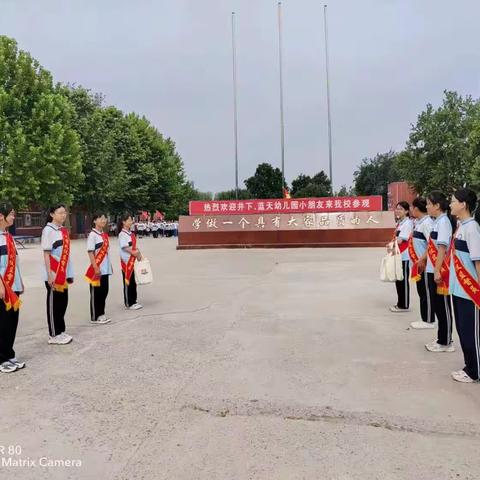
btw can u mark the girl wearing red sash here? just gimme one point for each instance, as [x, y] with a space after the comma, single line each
[464, 283]
[402, 235]
[129, 254]
[58, 273]
[100, 269]
[437, 270]
[11, 287]
[417, 249]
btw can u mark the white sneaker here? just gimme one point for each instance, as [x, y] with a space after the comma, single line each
[462, 377]
[436, 347]
[7, 367]
[61, 339]
[421, 325]
[17, 363]
[135, 306]
[67, 337]
[395, 309]
[101, 320]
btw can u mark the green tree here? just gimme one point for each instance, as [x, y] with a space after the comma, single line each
[345, 192]
[40, 156]
[305, 186]
[266, 183]
[243, 194]
[374, 175]
[442, 149]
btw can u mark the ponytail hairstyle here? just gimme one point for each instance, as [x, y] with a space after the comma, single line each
[405, 206]
[421, 204]
[467, 196]
[121, 219]
[438, 198]
[5, 208]
[52, 210]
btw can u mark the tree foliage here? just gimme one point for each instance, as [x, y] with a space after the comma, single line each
[61, 143]
[374, 175]
[305, 186]
[40, 155]
[442, 151]
[266, 183]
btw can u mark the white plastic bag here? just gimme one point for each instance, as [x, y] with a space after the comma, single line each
[143, 272]
[391, 268]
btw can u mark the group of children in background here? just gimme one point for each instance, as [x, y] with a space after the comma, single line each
[156, 229]
[440, 250]
[58, 275]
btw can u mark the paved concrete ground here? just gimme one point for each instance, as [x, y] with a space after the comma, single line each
[255, 364]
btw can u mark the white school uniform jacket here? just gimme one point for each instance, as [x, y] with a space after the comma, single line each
[17, 282]
[94, 243]
[467, 249]
[441, 235]
[52, 241]
[404, 231]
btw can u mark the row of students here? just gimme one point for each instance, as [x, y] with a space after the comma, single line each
[444, 260]
[58, 275]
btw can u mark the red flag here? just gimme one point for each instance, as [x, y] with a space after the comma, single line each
[158, 215]
[286, 193]
[144, 215]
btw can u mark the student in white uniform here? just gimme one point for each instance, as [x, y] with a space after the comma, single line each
[100, 269]
[58, 273]
[437, 270]
[141, 229]
[155, 227]
[418, 252]
[464, 283]
[129, 254]
[11, 287]
[403, 232]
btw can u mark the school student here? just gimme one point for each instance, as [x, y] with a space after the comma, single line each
[58, 273]
[402, 235]
[11, 287]
[464, 283]
[129, 254]
[100, 269]
[437, 270]
[155, 227]
[417, 250]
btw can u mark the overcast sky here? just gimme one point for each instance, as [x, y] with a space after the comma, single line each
[170, 60]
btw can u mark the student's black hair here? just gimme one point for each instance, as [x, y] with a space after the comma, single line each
[465, 195]
[52, 210]
[5, 207]
[421, 204]
[121, 219]
[96, 216]
[438, 198]
[405, 205]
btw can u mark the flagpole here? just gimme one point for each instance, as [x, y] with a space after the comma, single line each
[282, 119]
[330, 156]
[235, 111]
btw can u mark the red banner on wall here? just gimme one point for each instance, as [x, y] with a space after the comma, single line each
[292, 205]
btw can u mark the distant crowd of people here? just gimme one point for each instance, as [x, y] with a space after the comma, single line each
[145, 228]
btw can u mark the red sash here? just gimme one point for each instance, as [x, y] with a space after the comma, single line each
[11, 299]
[404, 245]
[442, 288]
[90, 276]
[127, 268]
[416, 276]
[60, 267]
[466, 280]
